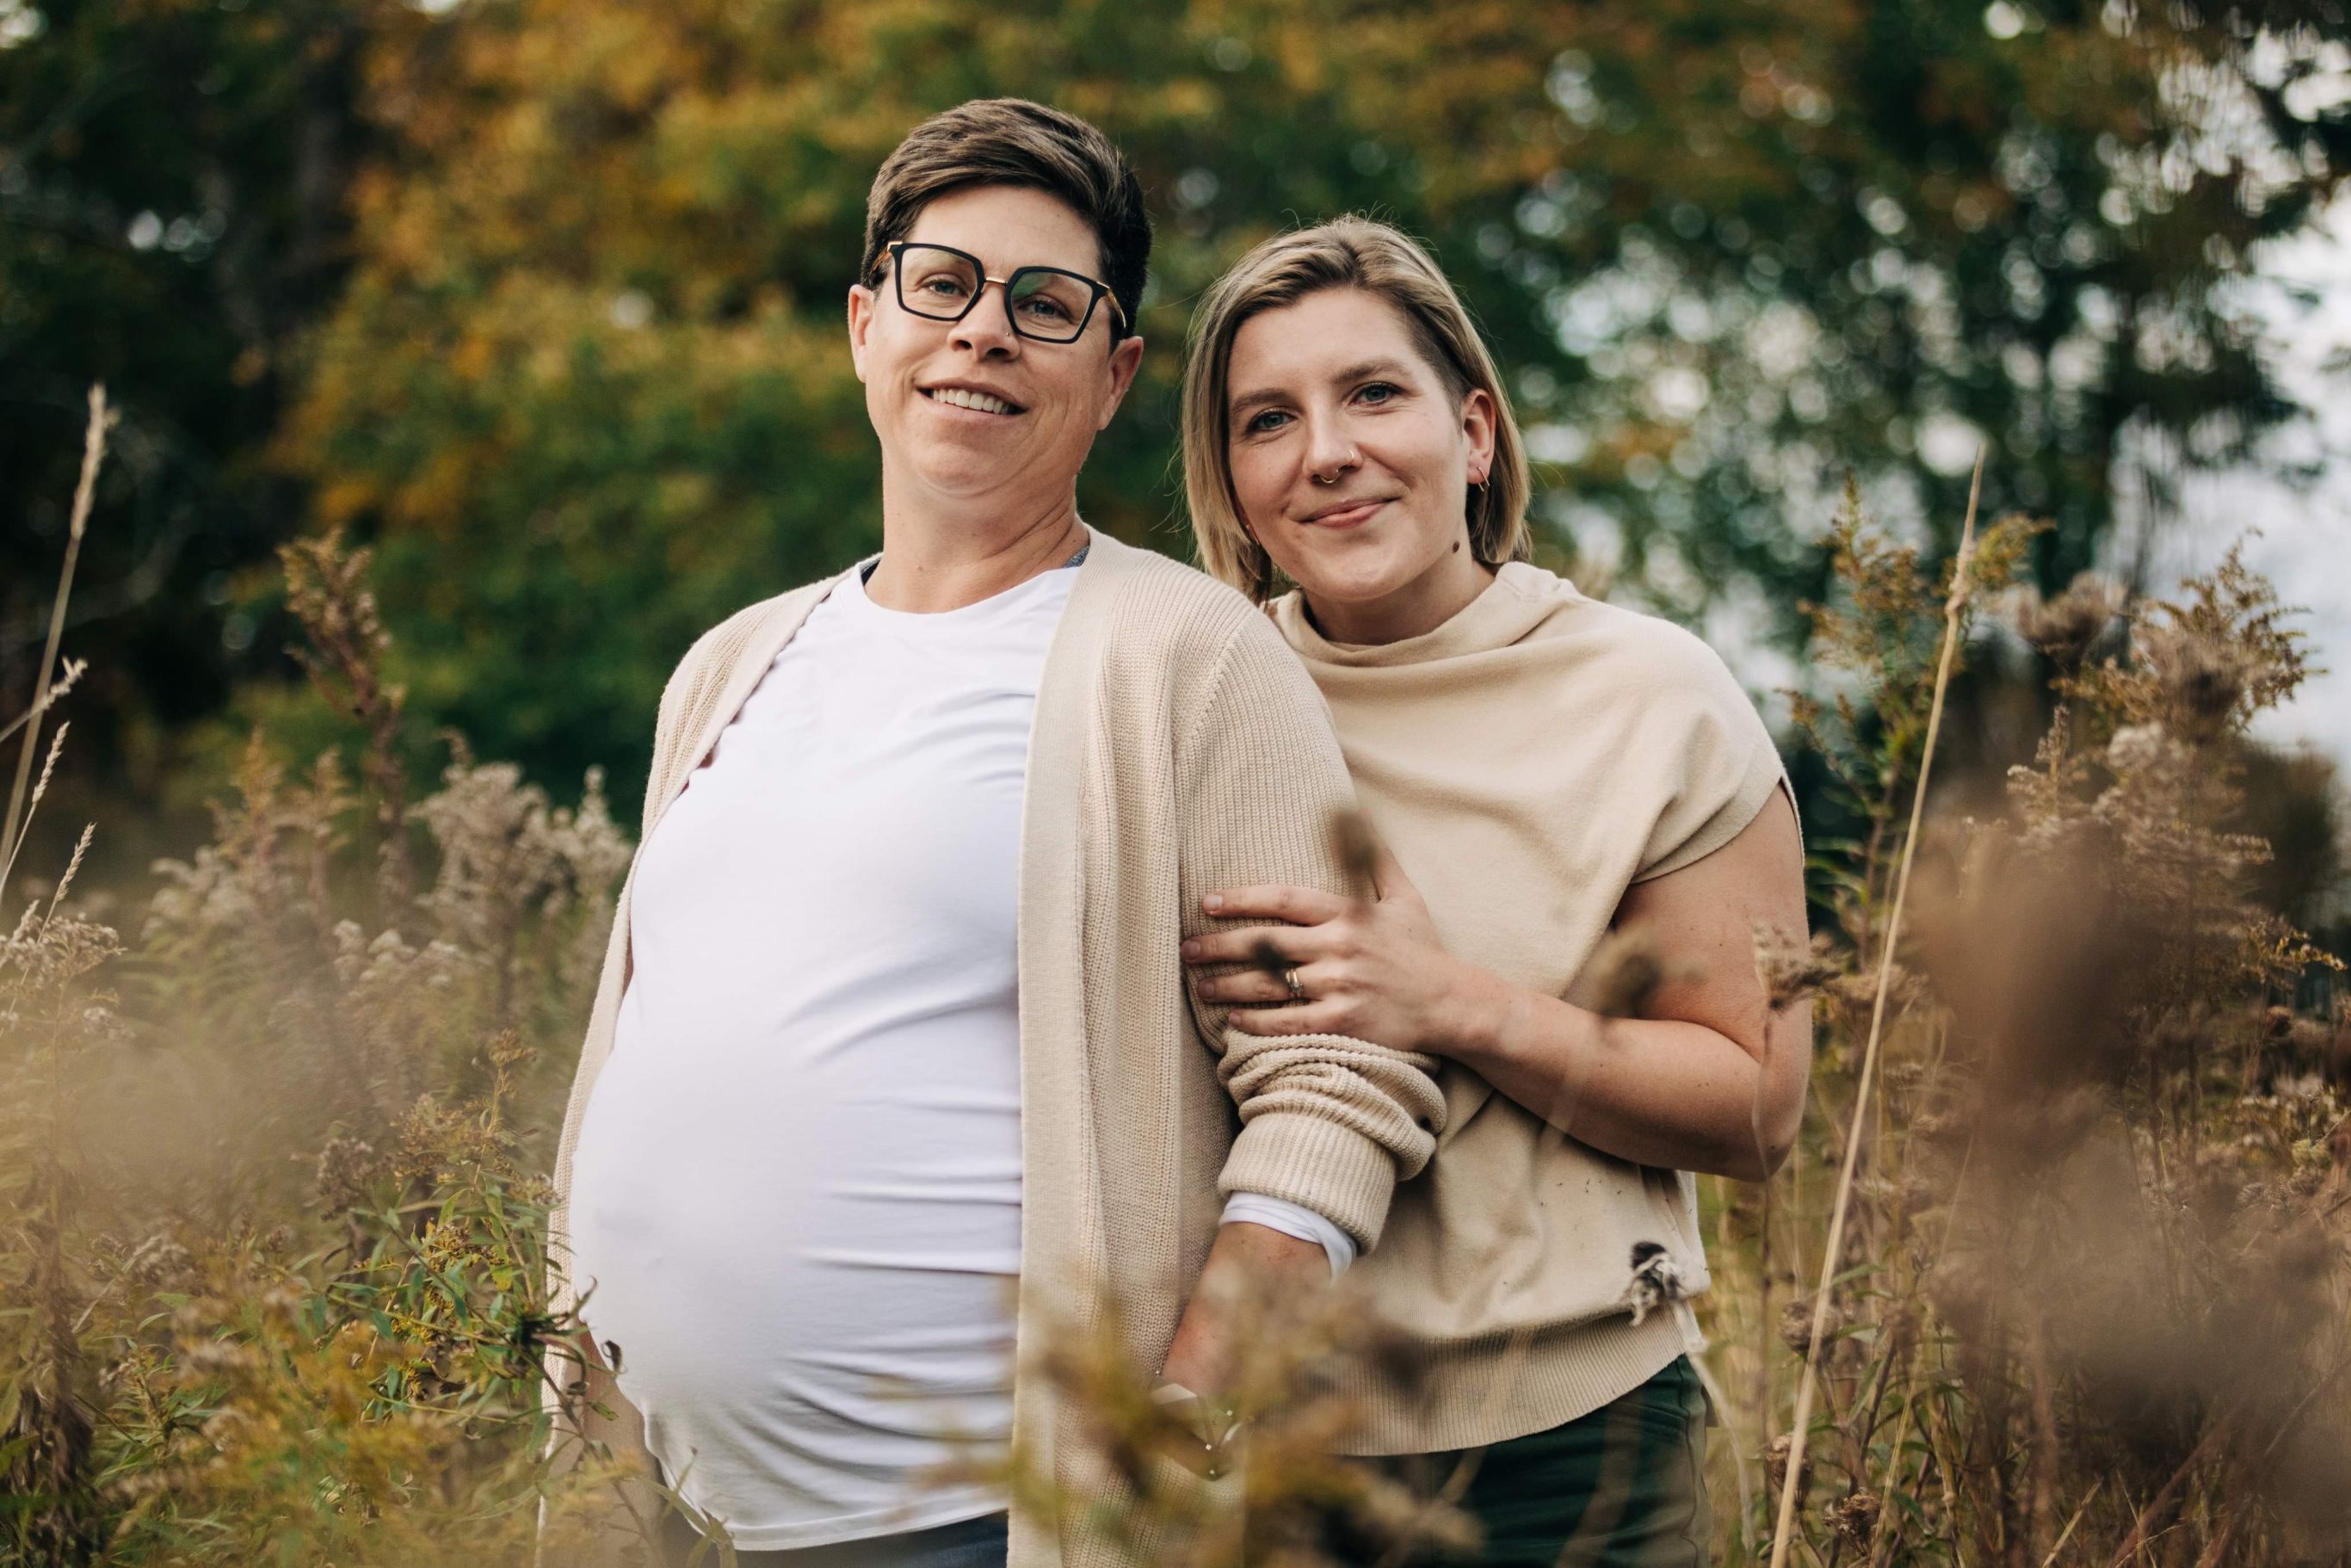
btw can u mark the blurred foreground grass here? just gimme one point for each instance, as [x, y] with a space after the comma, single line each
[272, 1144]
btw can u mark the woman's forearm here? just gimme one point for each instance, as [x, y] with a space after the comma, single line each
[1657, 1092]
[1713, 1079]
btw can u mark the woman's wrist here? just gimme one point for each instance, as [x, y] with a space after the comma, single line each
[1481, 1021]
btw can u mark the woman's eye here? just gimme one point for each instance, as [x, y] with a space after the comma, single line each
[1378, 391]
[1270, 420]
[944, 288]
[1046, 309]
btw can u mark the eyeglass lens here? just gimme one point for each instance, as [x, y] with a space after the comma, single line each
[942, 284]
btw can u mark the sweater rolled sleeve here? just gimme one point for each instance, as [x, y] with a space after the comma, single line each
[1328, 1123]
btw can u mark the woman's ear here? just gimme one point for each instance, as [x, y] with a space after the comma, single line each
[861, 324]
[1477, 427]
[1125, 361]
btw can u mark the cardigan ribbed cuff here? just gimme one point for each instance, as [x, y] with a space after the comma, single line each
[1311, 1161]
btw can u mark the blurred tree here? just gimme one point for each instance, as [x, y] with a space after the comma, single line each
[586, 381]
[1777, 242]
[173, 176]
[589, 382]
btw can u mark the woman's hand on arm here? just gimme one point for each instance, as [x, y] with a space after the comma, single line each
[1708, 1079]
[1373, 969]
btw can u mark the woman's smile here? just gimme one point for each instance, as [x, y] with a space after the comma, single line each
[973, 400]
[1344, 515]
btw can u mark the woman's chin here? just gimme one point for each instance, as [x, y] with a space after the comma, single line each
[968, 471]
[1352, 584]
[1348, 591]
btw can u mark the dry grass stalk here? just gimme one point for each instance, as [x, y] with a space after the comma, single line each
[1294, 1500]
[93, 455]
[49, 1432]
[68, 676]
[1782, 1532]
[33, 802]
[326, 589]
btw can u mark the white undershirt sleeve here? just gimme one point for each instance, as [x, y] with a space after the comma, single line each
[1292, 1220]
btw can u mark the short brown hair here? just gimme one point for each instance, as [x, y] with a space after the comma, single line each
[1012, 142]
[1345, 253]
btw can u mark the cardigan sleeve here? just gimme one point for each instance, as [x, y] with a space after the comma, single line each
[1328, 1123]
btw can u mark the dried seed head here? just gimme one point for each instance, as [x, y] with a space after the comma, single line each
[2201, 678]
[1853, 1519]
[508, 1050]
[160, 1260]
[2313, 1044]
[1267, 958]
[216, 1358]
[128, 1489]
[1625, 972]
[1856, 995]
[1963, 1296]
[1918, 1192]
[346, 1166]
[1796, 1326]
[1656, 1279]
[2064, 628]
[1354, 847]
[1793, 969]
[2135, 748]
[1775, 1465]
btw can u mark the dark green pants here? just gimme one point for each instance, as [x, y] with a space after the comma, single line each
[1624, 1486]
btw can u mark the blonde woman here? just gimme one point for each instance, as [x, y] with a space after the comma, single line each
[1543, 770]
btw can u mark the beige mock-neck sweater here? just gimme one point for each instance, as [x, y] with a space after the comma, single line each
[1176, 747]
[1526, 762]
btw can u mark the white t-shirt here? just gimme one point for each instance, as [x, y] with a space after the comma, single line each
[796, 1199]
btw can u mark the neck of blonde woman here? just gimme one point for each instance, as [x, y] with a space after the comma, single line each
[1420, 606]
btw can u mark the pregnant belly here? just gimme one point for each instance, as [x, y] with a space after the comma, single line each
[824, 1274]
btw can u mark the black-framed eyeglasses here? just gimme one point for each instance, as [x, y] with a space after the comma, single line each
[1047, 304]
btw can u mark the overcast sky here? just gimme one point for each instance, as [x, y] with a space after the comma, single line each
[2304, 543]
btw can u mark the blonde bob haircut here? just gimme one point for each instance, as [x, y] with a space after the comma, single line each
[1345, 253]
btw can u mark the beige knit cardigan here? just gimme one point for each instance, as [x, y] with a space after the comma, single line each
[1177, 747]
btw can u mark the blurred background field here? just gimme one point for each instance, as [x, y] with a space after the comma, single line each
[540, 301]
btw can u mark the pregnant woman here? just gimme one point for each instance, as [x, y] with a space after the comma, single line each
[893, 1070]
[1543, 770]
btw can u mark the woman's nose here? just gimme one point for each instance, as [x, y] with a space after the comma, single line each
[987, 327]
[1329, 453]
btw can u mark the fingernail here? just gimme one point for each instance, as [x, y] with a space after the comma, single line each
[1191, 949]
[1213, 903]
